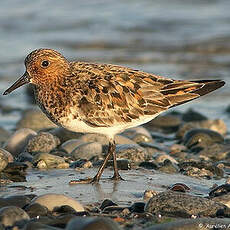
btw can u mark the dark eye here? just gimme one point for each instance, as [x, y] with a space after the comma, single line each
[45, 64]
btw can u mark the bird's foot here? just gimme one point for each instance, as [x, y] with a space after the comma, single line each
[84, 181]
[117, 177]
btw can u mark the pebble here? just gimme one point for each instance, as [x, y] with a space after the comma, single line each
[192, 115]
[179, 187]
[132, 152]
[64, 134]
[15, 171]
[165, 122]
[201, 169]
[192, 224]
[220, 190]
[36, 209]
[177, 204]
[18, 141]
[43, 142]
[106, 203]
[149, 194]
[71, 144]
[93, 137]
[122, 164]
[15, 200]
[201, 138]
[161, 157]
[52, 200]
[82, 163]
[217, 125]
[137, 207]
[34, 119]
[39, 226]
[141, 138]
[90, 223]
[168, 167]
[87, 151]
[46, 160]
[139, 129]
[10, 215]
[148, 165]
[3, 159]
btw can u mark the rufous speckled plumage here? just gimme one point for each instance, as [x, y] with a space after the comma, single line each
[103, 98]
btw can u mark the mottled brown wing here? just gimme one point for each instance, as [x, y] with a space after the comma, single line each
[115, 95]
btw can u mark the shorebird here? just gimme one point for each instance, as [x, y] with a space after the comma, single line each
[103, 98]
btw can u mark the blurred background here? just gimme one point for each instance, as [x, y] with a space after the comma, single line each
[181, 39]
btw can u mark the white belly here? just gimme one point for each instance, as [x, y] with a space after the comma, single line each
[76, 125]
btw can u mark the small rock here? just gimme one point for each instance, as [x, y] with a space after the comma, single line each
[161, 157]
[122, 164]
[38, 226]
[43, 142]
[220, 190]
[141, 138]
[166, 122]
[217, 125]
[36, 209]
[10, 215]
[149, 193]
[148, 165]
[65, 134]
[87, 150]
[176, 204]
[132, 152]
[18, 141]
[34, 119]
[137, 207]
[71, 144]
[82, 163]
[192, 115]
[106, 203]
[201, 138]
[179, 187]
[95, 137]
[200, 169]
[52, 200]
[139, 129]
[3, 159]
[25, 156]
[168, 167]
[88, 223]
[15, 200]
[46, 160]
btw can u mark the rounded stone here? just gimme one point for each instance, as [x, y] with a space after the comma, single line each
[91, 223]
[139, 129]
[34, 119]
[16, 200]
[177, 204]
[65, 134]
[52, 200]
[10, 215]
[70, 145]
[132, 152]
[36, 209]
[43, 142]
[202, 138]
[168, 122]
[192, 115]
[87, 150]
[161, 157]
[46, 160]
[18, 141]
[93, 137]
[3, 159]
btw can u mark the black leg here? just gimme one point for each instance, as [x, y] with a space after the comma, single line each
[116, 175]
[96, 179]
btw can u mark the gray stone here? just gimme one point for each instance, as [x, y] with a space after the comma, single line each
[35, 119]
[43, 142]
[202, 138]
[39, 226]
[95, 137]
[64, 134]
[87, 150]
[10, 215]
[46, 160]
[177, 204]
[92, 223]
[18, 141]
[52, 200]
[3, 159]
[71, 144]
[132, 152]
